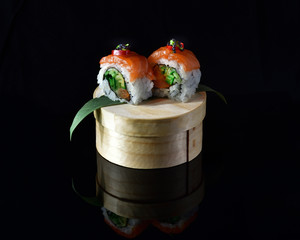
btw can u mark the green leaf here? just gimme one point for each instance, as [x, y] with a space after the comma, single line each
[88, 108]
[95, 201]
[205, 88]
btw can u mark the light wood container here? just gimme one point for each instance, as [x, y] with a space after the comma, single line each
[157, 133]
[148, 160]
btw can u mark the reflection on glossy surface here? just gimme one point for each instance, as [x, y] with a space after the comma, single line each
[132, 227]
[167, 198]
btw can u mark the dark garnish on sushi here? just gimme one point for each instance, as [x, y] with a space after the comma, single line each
[117, 83]
[174, 45]
[117, 220]
[123, 47]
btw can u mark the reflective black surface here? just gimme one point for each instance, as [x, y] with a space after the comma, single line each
[249, 165]
[159, 193]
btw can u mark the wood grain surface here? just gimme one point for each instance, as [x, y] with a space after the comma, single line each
[154, 117]
[148, 152]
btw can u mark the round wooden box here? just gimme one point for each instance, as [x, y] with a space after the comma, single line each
[148, 157]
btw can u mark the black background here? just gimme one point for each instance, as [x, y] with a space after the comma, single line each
[248, 50]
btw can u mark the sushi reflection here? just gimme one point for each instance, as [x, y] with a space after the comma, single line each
[166, 198]
[132, 227]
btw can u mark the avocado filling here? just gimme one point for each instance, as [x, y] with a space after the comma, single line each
[170, 74]
[117, 83]
[117, 220]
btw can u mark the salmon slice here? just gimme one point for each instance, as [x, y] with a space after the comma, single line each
[137, 65]
[160, 79]
[123, 93]
[186, 58]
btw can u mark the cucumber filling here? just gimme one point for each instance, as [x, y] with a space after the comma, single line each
[170, 74]
[117, 83]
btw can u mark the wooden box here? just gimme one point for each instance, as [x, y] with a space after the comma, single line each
[148, 157]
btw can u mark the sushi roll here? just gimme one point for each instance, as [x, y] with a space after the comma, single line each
[125, 76]
[176, 225]
[177, 71]
[126, 227]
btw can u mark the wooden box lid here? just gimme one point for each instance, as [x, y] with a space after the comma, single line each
[154, 117]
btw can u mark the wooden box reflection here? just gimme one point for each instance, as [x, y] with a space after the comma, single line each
[150, 193]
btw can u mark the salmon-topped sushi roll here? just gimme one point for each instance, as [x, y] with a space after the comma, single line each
[125, 76]
[177, 71]
[126, 227]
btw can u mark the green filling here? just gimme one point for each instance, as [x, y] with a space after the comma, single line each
[170, 74]
[115, 79]
[117, 220]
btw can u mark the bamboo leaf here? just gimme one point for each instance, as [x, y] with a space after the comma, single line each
[205, 88]
[95, 201]
[88, 108]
